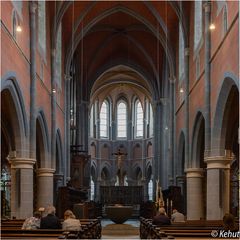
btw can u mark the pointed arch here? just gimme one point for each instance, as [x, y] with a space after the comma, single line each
[227, 92]
[197, 151]
[59, 153]
[181, 165]
[9, 82]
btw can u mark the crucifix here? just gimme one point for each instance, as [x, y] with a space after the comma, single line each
[119, 155]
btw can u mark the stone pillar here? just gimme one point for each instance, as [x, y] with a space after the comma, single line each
[172, 131]
[194, 193]
[218, 186]
[157, 143]
[45, 187]
[207, 53]
[33, 30]
[181, 182]
[53, 108]
[21, 186]
[186, 109]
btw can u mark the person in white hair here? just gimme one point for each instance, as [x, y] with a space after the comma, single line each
[177, 216]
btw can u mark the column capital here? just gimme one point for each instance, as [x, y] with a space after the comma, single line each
[58, 176]
[33, 7]
[207, 6]
[181, 178]
[53, 52]
[22, 163]
[164, 101]
[45, 172]
[218, 162]
[186, 51]
[194, 172]
[172, 79]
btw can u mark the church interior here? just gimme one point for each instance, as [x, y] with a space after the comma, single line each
[116, 109]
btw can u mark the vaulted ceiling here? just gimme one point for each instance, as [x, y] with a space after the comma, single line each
[142, 35]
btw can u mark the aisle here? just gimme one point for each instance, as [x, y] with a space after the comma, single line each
[127, 230]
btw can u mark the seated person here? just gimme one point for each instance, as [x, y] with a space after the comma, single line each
[50, 221]
[161, 218]
[70, 222]
[32, 222]
[177, 216]
[229, 223]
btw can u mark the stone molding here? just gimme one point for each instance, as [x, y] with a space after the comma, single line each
[218, 162]
[194, 172]
[45, 172]
[22, 163]
[186, 52]
[181, 179]
[207, 7]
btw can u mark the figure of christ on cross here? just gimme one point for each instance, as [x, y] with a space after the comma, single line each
[119, 155]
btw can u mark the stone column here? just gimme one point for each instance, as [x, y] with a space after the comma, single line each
[194, 193]
[172, 131]
[45, 187]
[53, 108]
[186, 109]
[21, 186]
[218, 186]
[157, 136]
[33, 30]
[207, 53]
[180, 182]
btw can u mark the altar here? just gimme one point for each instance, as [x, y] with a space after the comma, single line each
[119, 213]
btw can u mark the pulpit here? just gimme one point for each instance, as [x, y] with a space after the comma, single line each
[80, 168]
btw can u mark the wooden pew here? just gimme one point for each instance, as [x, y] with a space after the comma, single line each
[186, 229]
[91, 229]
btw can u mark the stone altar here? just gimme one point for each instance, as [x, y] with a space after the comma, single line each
[119, 213]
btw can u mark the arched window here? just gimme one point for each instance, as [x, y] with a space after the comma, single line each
[150, 120]
[91, 122]
[59, 56]
[42, 26]
[92, 189]
[197, 23]
[150, 190]
[122, 120]
[181, 53]
[104, 119]
[139, 119]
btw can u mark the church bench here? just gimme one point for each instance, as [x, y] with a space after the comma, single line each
[187, 229]
[91, 229]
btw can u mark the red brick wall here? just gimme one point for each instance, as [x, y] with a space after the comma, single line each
[224, 58]
[15, 57]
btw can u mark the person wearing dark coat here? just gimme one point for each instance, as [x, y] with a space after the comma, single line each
[161, 218]
[50, 221]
